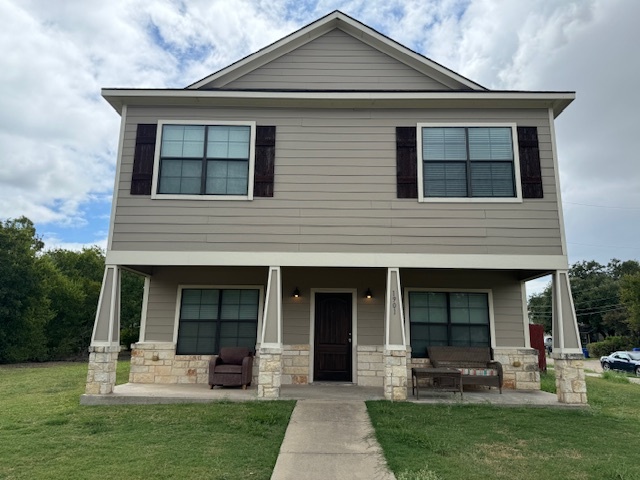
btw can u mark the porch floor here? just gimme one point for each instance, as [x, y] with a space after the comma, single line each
[136, 394]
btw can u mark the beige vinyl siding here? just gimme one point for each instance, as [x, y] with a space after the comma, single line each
[505, 287]
[163, 290]
[335, 191]
[336, 61]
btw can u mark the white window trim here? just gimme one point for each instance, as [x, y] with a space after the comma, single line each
[181, 287]
[516, 165]
[488, 291]
[156, 161]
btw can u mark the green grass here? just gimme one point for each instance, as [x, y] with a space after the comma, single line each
[46, 434]
[440, 442]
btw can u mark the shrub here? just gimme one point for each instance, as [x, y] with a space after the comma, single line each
[609, 345]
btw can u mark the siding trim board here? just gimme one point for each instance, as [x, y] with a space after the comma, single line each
[339, 259]
[557, 101]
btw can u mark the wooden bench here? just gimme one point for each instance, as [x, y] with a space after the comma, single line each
[475, 364]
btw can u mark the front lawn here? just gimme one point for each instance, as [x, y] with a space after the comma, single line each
[46, 434]
[439, 442]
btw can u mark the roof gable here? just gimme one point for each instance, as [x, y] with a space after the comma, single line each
[421, 73]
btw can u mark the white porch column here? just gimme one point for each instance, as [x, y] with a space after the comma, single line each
[270, 362]
[395, 350]
[567, 349]
[105, 340]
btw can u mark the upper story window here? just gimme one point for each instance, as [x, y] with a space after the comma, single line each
[467, 162]
[205, 160]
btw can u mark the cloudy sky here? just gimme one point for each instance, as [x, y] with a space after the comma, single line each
[58, 137]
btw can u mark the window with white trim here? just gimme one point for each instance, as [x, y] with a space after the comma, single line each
[212, 318]
[467, 161]
[458, 319]
[212, 160]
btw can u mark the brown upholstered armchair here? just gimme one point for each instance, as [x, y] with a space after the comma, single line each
[233, 367]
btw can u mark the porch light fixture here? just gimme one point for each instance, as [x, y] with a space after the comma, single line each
[368, 293]
[296, 293]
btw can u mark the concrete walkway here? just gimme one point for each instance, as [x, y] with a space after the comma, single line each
[329, 439]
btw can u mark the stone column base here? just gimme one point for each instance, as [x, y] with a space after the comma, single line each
[519, 367]
[395, 375]
[101, 377]
[270, 373]
[570, 380]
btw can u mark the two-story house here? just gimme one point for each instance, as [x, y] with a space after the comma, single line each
[337, 202]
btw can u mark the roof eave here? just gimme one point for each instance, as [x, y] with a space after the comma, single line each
[557, 101]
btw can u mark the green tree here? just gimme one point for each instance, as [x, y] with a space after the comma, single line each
[630, 295]
[75, 282]
[596, 291]
[24, 305]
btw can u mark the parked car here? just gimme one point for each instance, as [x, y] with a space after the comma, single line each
[623, 361]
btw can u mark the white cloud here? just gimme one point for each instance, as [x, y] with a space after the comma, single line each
[58, 136]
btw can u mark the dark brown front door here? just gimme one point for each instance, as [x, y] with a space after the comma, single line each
[332, 344]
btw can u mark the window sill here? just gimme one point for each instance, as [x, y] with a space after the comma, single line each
[166, 196]
[470, 200]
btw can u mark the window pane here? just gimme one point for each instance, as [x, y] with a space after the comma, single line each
[182, 141]
[459, 300]
[460, 336]
[437, 335]
[228, 142]
[227, 177]
[419, 299]
[459, 315]
[489, 179]
[443, 143]
[419, 334]
[190, 186]
[479, 337]
[490, 143]
[180, 176]
[445, 179]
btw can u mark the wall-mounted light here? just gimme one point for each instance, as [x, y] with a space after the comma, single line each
[368, 293]
[296, 293]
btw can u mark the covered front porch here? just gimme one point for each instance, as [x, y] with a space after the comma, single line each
[307, 325]
[148, 394]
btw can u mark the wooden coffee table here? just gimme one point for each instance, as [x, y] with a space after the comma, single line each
[442, 380]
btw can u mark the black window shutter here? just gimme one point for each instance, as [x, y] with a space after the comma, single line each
[530, 171]
[406, 162]
[265, 161]
[143, 159]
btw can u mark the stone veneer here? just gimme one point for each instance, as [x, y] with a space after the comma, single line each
[270, 376]
[295, 365]
[570, 379]
[395, 374]
[370, 365]
[158, 363]
[520, 367]
[101, 376]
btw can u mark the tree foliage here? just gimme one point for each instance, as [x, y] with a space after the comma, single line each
[598, 297]
[48, 299]
[24, 304]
